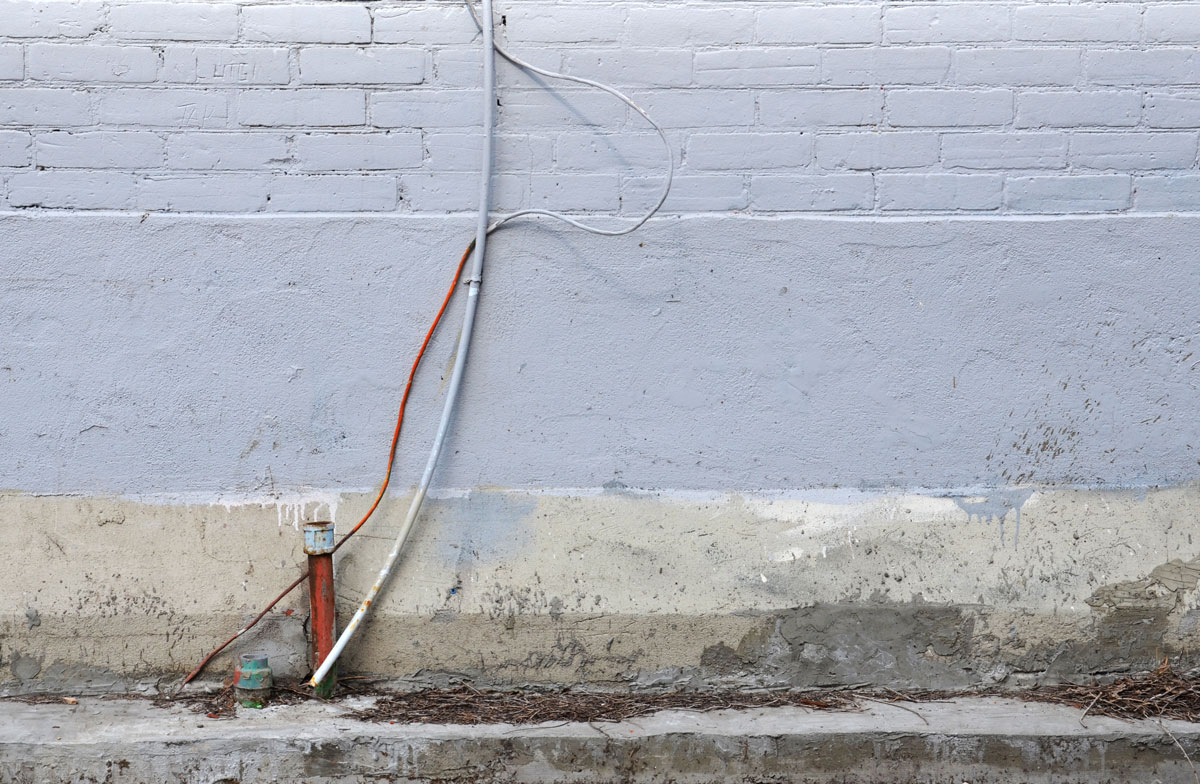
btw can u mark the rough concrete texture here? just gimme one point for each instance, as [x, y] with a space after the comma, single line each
[203, 356]
[972, 741]
[181, 392]
[622, 589]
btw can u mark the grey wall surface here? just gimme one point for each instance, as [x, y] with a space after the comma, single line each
[172, 354]
[942, 252]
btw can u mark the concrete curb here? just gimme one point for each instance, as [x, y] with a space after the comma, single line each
[966, 740]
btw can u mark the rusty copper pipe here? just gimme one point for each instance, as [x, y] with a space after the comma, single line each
[318, 543]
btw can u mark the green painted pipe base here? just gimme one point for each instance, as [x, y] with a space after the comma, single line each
[324, 689]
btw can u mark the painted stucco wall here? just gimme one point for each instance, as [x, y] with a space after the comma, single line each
[899, 388]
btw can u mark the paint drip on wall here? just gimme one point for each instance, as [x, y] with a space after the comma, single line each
[996, 506]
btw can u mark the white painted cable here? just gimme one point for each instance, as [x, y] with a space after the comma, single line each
[662, 198]
[473, 281]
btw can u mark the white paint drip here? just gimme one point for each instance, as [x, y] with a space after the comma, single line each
[292, 507]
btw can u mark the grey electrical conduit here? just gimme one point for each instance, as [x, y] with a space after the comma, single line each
[473, 281]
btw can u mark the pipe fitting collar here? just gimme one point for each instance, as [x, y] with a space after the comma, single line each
[318, 538]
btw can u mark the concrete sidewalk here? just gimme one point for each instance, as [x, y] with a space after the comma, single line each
[967, 740]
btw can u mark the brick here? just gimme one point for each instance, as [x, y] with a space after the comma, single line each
[521, 110]
[943, 192]
[15, 148]
[457, 67]
[40, 19]
[44, 106]
[1172, 23]
[1171, 193]
[364, 151]
[1068, 193]
[219, 65]
[232, 150]
[174, 21]
[302, 107]
[372, 65]
[950, 108]
[1004, 150]
[1014, 67]
[1076, 109]
[742, 151]
[968, 22]
[80, 190]
[91, 63]
[831, 24]
[172, 108]
[574, 191]
[689, 193]
[1173, 109]
[439, 25]
[591, 152]
[203, 193]
[821, 107]
[872, 151]
[627, 66]
[459, 192]
[333, 193]
[565, 24]
[1122, 150]
[899, 65]
[804, 193]
[457, 151]
[695, 27]
[12, 62]
[708, 108]
[1085, 22]
[744, 67]
[1132, 67]
[429, 109]
[99, 150]
[327, 23]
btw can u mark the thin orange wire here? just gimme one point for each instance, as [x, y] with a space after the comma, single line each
[386, 479]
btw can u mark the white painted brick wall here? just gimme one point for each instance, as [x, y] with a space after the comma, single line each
[871, 151]
[348, 152]
[100, 150]
[947, 23]
[210, 65]
[942, 192]
[12, 62]
[872, 107]
[224, 151]
[372, 65]
[174, 21]
[15, 147]
[320, 23]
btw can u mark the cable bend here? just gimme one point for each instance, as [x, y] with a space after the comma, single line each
[662, 134]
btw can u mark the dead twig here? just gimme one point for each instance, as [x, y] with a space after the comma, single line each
[893, 704]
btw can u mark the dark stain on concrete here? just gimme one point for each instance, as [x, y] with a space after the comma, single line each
[25, 667]
[900, 645]
[897, 645]
[722, 659]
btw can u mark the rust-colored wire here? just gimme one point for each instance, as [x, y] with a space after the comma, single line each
[387, 478]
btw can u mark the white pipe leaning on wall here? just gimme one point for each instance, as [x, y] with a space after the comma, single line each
[474, 278]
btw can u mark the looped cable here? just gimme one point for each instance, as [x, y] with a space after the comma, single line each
[526, 66]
